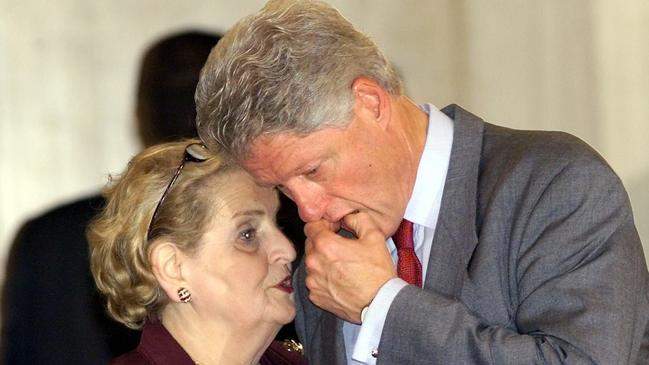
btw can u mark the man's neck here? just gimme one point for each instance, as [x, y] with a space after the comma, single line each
[413, 125]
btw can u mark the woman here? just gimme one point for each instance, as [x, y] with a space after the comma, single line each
[187, 248]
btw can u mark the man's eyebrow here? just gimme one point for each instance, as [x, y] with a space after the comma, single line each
[251, 212]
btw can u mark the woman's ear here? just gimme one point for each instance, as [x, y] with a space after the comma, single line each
[166, 264]
[373, 99]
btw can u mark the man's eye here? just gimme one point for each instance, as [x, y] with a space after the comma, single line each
[312, 172]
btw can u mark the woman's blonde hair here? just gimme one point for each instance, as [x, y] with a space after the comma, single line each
[119, 248]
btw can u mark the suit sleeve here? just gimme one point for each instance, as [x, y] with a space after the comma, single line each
[578, 288]
[301, 298]
[17, 304]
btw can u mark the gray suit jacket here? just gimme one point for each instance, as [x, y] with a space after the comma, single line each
[535, 260]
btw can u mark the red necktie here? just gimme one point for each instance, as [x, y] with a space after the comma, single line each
[408, 266]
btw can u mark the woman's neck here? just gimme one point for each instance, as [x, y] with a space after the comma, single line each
[216, 342]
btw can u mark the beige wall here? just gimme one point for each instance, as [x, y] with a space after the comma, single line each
[67, 76]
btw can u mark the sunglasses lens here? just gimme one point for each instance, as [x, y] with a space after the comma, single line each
[197, 152]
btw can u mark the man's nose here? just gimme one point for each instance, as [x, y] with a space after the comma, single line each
[309, 200]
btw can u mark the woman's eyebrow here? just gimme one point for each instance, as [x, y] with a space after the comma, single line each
[249, 212]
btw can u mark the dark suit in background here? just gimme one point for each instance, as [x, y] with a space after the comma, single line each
[55, 315]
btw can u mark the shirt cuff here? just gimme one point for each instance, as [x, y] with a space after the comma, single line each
[369, 336]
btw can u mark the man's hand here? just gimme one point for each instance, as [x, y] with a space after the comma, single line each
[344, 275]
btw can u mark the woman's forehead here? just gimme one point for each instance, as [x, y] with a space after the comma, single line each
[239, 192]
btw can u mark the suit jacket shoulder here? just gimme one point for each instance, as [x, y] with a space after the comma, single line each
[51, 310]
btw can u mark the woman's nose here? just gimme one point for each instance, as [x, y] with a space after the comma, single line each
[285, 251]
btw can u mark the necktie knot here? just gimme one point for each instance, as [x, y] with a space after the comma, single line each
[408, 265]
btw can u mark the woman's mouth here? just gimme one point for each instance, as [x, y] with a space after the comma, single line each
[286, 285]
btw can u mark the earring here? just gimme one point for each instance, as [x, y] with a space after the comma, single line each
[184, 295]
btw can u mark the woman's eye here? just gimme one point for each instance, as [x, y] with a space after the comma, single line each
[248, 240]
[249, 235]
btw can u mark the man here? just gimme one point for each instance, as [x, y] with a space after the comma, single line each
[510, 247]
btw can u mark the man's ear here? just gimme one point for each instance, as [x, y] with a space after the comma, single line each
[371, 98]
[166, 264]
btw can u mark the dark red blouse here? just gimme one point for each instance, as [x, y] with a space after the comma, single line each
[158, 347]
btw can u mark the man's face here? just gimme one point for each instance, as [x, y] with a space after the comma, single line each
[336, 171]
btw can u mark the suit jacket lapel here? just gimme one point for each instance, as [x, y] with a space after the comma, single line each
[455, 234]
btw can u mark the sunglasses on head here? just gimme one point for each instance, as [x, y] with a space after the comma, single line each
[194, 152]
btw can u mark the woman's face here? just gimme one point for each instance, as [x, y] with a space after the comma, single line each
[242, 272]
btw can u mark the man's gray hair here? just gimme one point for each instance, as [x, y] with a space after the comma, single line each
[288, 68]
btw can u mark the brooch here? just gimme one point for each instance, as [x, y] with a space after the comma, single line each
[293, 346]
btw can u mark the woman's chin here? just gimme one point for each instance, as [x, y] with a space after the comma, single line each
[284, 312]
[290, 315]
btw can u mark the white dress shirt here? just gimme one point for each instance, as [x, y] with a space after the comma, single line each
[362, 341]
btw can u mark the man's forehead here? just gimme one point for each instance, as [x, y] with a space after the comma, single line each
[275, 157]
[269, 157]
[270, 140]
[283, 140]
[271, 146]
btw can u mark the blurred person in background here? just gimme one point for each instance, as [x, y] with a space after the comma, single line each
[52, 313]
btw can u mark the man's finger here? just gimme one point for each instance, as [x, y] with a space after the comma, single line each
[313, 228]
[360, 223]
[308, 247]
